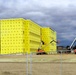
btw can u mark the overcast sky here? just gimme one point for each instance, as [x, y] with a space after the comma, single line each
[57, 14]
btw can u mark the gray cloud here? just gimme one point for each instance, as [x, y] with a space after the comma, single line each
[58, 14]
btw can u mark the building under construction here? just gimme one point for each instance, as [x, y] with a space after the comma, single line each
[25, 36]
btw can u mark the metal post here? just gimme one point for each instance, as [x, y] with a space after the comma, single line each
[27, 64]
[30, 63]
[61, 63]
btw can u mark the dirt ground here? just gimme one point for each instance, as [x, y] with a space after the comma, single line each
[41, 65]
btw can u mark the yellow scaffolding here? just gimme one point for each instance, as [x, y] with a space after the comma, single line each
[19, 36]
[48, 35]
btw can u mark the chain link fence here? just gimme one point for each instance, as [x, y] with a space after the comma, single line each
[61, 63]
